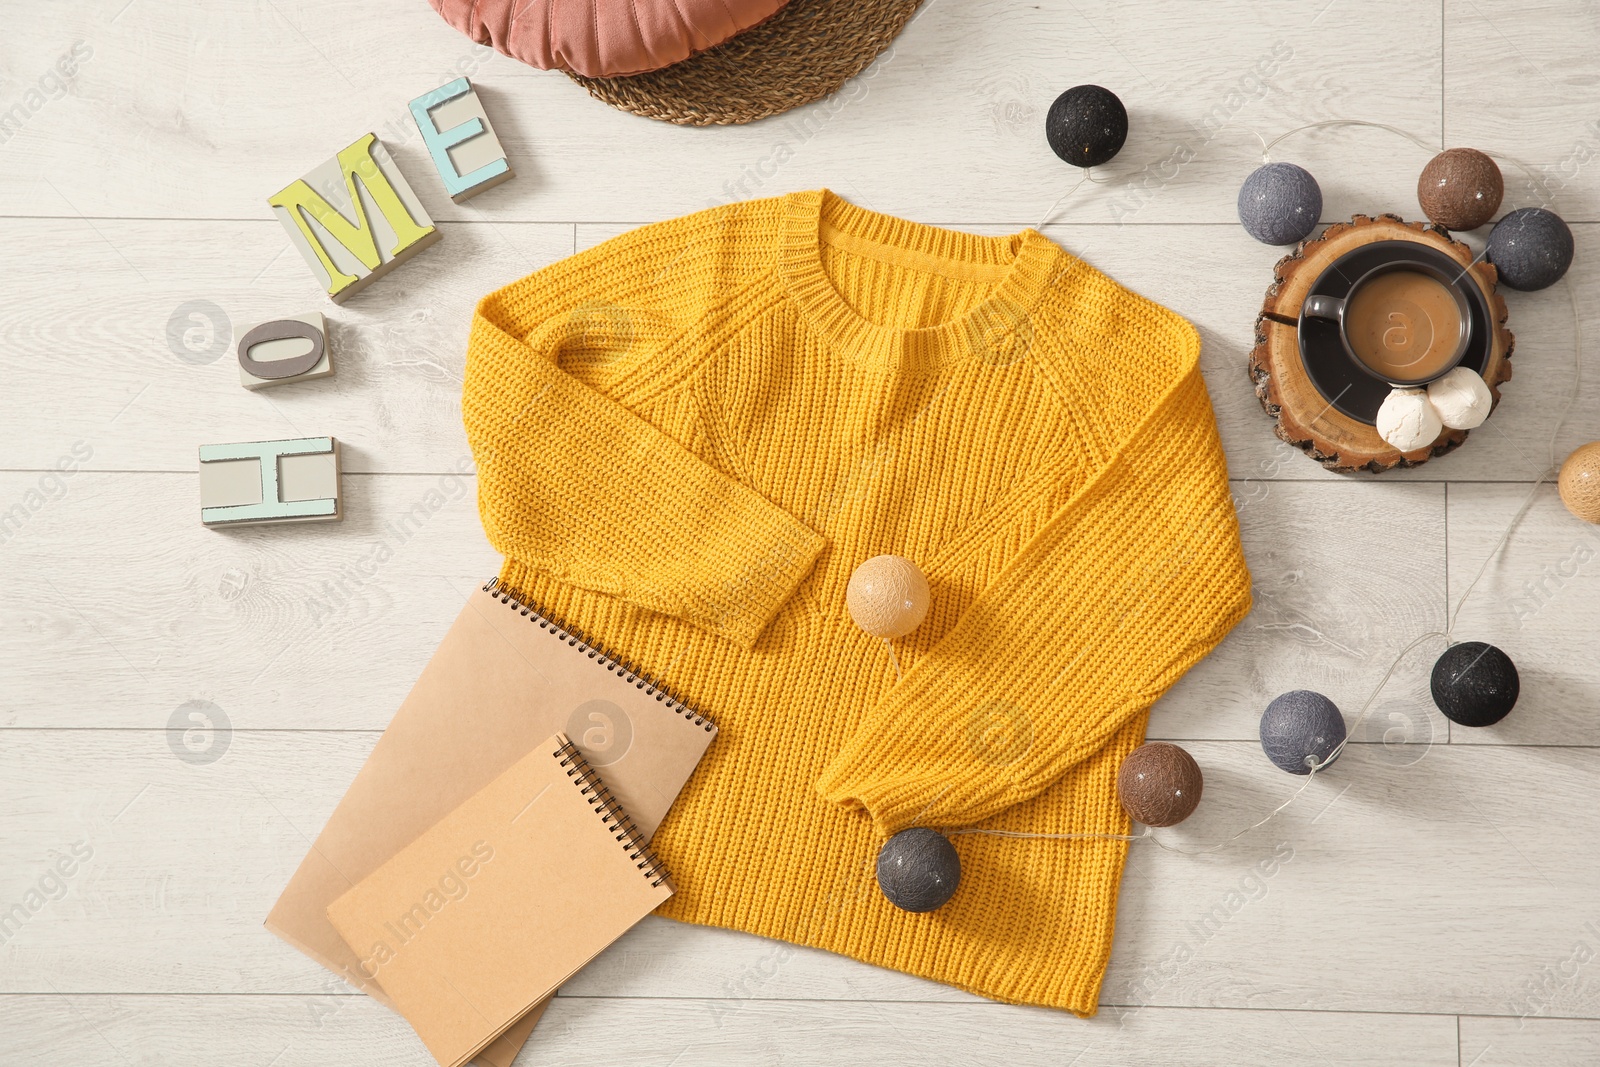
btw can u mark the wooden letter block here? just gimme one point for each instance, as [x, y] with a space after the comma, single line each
[280, 351]
[354, 218]
[460, 140]
[270, 481]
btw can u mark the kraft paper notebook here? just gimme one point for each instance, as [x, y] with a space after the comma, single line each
[504, 679]
[538, 873]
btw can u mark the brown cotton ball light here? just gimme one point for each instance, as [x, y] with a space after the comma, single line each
[1159, 784]
[1579, 483]
[888, 596]
[1460, 189]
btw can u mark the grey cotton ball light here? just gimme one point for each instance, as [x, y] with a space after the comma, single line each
[918, 869]
[1280, 203]
[1531, 248]
[1301, 724]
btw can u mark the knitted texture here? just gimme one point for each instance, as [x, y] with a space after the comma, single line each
[688, 437]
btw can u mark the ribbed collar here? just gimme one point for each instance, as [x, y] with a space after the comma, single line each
[1020, 267]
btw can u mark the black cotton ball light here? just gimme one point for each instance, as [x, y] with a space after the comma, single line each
[918, 869]
[1086, 125]
[1475, 684]
[1280, 203]
[1531, 248]
[1300, 730]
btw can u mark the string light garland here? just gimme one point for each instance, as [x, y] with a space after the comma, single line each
[1302, 731]
[1086, 125]
[1531, 248]
[1160, 784]
[1579, 483]
[1280, 203]
[1460, 188]
[918, 869]
[888, 597]
[1473, 683]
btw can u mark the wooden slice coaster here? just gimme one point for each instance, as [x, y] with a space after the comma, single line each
[1305, 418]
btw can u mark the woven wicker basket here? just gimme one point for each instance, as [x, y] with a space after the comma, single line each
[805, 51]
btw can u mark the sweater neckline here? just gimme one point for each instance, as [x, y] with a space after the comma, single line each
[1019, 266]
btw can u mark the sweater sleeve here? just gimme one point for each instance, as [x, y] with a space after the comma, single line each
[1133, 580]
[575, 485]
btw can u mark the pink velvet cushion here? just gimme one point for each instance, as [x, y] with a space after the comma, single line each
[603, 38]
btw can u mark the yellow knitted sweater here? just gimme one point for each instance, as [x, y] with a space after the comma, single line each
[688, 437]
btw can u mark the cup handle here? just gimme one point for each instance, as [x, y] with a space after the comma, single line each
[1323, 307]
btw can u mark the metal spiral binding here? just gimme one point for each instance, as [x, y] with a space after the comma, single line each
[605, 803]
[599, 653]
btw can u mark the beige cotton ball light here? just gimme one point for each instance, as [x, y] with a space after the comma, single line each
[1461, 399]
[1580, 482]
[1408, 421]
[888, 596]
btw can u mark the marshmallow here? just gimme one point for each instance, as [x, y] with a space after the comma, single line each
[1461, 399]
[1408, 421]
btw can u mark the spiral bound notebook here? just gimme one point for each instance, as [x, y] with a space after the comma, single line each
[539, 871]
[504, 678]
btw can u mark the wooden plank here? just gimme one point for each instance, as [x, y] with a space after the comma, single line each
[1376, 865]
[151, 331]
[322, 625]
[1530, 1041]
[1382, 867]
[1536, 57]
[1322, 618]
[135, 160]
[180, 1031]
[948, 126]
[1539, 600]
[327, 627]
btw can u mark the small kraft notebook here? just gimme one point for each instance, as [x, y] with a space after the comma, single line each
[505, 678]
[487, 913]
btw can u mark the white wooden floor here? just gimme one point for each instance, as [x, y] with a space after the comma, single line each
[1435, 902]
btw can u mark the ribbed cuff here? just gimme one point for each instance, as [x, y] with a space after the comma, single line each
[884, 779]
[892, 805]
[760, 571]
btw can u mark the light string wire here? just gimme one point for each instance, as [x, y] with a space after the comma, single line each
[1088, 176]
[1534, 178]
[1550, 469]
[894, 659]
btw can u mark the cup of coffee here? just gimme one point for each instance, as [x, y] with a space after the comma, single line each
[1407, 322]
